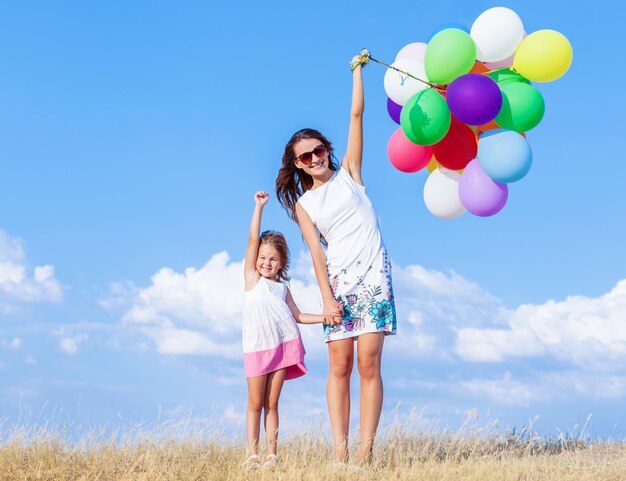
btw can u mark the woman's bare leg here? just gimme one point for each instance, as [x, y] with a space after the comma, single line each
[369, 355]
[341, 360]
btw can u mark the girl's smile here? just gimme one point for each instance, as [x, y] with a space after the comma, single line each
[268, 261]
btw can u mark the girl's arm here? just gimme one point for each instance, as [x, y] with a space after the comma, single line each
[250, 273]
[301, 317]
[319, 265]
[354, 154]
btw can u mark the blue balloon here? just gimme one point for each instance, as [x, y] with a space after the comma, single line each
[504, 155]
[448, 25]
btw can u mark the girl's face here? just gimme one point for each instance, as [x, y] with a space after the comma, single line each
[311, 156]
[268, 261]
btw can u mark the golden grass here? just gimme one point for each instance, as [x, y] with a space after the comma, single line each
[399, 455]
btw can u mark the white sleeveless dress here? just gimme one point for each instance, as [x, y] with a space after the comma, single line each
[358, 266]
[271, 338]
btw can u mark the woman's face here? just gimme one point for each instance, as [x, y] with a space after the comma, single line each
[311, 156]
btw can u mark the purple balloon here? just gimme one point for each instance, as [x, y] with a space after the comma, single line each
[479, 193]
[394, 110]
[474, 99]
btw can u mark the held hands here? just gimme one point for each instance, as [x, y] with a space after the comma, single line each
[332, 313]
[261, 198]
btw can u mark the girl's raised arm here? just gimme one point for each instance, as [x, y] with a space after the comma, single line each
[354, 153]
[319, 265]
[249, 269]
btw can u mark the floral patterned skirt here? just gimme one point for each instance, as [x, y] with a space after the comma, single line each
[366, 294]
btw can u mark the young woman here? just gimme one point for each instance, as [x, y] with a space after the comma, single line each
[340, 227]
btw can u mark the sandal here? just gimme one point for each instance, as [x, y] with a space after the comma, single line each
[253, 462]
[271, 461]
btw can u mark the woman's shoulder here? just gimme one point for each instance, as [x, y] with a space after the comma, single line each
[347, 177]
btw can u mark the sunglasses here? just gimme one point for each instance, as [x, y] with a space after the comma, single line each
[307, 157]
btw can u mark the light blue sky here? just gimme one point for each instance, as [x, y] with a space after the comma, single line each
[134, 136]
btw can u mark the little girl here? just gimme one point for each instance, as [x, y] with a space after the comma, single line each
[273, 349]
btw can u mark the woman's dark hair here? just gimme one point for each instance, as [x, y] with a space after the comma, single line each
[278, 242]
[292, 182]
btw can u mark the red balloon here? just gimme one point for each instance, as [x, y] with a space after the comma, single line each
[458, 147]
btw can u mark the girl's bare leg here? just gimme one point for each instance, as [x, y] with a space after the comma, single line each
[256, 393]
[273, 387]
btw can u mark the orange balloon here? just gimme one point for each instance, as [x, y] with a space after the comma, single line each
[487, 127]
[479, 67]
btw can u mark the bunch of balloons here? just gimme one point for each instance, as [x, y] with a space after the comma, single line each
[464, 101]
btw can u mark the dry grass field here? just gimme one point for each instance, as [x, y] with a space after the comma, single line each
[38, 454]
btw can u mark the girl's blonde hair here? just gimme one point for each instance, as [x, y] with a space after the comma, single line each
[278, 242]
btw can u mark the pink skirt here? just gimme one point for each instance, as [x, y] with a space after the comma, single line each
[288, 355]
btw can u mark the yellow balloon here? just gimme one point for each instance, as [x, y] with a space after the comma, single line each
[543, 56]
[432, 165]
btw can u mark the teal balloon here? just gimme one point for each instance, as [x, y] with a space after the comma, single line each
[449, 54]
[522, 107]
[425, 118]
[504, 155]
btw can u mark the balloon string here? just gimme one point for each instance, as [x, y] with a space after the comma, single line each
[458, 134]
[432, 85]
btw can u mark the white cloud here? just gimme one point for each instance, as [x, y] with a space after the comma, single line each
[199, 311]
[19, 283]
[589, 332]
[121, 294]
[70, 345]
[493, 345]
[184, 341]
[14, 343]
[197, 297]
[549, 386]
[506, 391]
[233, 415]
[441, 316]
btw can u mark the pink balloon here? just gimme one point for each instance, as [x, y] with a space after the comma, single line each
[415, 51]
[405, 155]
[507, 62]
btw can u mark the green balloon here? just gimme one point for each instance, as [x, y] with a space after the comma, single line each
[505, 75]
[425, 118]
[522, 106]
[449, 54]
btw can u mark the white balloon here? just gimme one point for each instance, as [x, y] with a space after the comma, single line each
[441, 194]
[415, 51]
[400, 87]
[497, 33]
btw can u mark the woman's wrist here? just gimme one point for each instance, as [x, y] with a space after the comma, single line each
[360, 60]
[328, 301]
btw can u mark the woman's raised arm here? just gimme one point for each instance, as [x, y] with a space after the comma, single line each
[354, 153]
